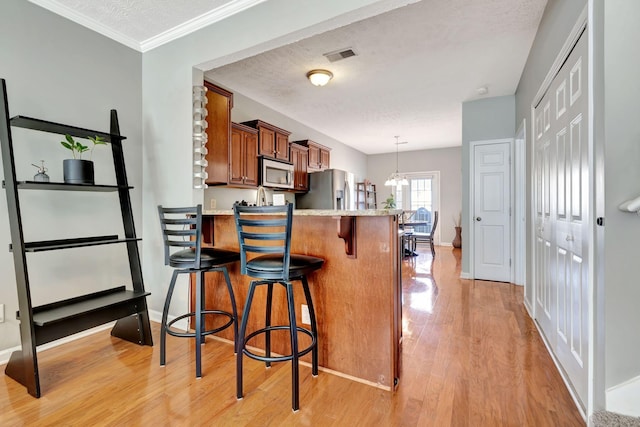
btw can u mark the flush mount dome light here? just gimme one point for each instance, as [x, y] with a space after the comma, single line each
[319, 77]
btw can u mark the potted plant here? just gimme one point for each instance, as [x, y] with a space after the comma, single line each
[78, 170]
[390, 203]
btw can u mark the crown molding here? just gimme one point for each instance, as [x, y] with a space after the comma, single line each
[188, 27]
[85, 21]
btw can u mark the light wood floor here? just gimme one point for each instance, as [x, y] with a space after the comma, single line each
[472, 357]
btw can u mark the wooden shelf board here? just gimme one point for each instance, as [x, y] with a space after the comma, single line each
[76, 307]
[62, 186]
[50, 245]
[51, 127]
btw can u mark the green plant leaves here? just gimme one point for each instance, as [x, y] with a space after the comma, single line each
[78, 148]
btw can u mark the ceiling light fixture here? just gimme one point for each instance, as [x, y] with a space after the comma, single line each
[395, 179]
[319, 77]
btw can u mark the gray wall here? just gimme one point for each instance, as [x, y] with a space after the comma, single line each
[168, 75]
[483, 119]
[622, 182]
[444, 160]
[59, 71]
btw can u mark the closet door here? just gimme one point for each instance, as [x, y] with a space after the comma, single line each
[562, 216]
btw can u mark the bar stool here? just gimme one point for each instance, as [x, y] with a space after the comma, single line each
[182, 228]
[269, 237]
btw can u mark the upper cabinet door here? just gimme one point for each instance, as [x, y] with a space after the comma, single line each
[267, 145]
[273, 142]
[282, 147]
[219, 104]
[251, 159]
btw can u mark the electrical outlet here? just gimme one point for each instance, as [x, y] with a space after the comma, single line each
[306, 319]
[1, 313]
[213, 203]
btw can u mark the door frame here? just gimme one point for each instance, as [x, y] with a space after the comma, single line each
[471, 233]
[519, 191]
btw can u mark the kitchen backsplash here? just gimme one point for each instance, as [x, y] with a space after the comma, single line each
[225, 197]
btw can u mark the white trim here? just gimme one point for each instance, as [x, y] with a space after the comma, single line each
[465, 275]
[571, 41]
[85, 21]
[470, 224]
[156, 316]
[624, 397]
[198, 23]
[6, 354]
[519, 192]
[188, 27]
[529, 309]
[562, 373]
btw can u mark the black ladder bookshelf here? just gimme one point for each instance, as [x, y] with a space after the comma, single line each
[46, 323]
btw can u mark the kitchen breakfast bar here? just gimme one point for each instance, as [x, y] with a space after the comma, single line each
[356, 294]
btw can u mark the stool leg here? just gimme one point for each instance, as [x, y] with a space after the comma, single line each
[295, 399]
[241, 335]
[314, 327]
[198, 318]
[234, 309]
[165, 314]
[267, 338]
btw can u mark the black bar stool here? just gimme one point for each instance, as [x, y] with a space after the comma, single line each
[182, 228]
[269, 236]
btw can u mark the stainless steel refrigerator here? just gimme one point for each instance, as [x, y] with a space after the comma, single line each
[328, 189]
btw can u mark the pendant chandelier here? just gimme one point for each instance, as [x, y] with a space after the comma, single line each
[396, 179]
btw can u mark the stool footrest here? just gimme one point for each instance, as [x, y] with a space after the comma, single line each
[283, 358]
[207, 332]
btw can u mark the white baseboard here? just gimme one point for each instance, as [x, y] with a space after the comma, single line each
[561, 371]
[6, 354]
[154, 316]
[623, 398]
[528, 307]
[465, 275]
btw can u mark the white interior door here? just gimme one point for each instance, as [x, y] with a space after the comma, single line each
[562, 217]
[492, 211]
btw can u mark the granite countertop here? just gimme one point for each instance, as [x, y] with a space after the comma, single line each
[321, 212]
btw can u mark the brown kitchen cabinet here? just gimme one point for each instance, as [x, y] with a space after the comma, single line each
[300, 160]
[319, 155]
[273, 142]
[243, 156]
[219, 105]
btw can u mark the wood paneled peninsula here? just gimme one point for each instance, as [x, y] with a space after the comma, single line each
[356, 294]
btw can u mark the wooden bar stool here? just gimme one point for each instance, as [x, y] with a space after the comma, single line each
[182, 228]
[265, 231]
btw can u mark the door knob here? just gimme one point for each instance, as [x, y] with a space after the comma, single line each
[478, 218]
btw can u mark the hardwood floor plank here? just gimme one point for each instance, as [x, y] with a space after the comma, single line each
[471, 357]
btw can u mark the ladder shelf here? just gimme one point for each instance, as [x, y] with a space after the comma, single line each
[49, 322]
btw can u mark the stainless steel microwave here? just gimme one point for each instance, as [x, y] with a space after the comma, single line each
[275, 173]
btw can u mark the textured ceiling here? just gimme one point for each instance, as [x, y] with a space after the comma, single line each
[415, 67]
[415, 64]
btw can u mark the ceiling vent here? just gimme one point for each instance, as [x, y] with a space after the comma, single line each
[341, 54]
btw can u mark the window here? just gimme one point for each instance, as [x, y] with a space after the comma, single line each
[420, 197]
